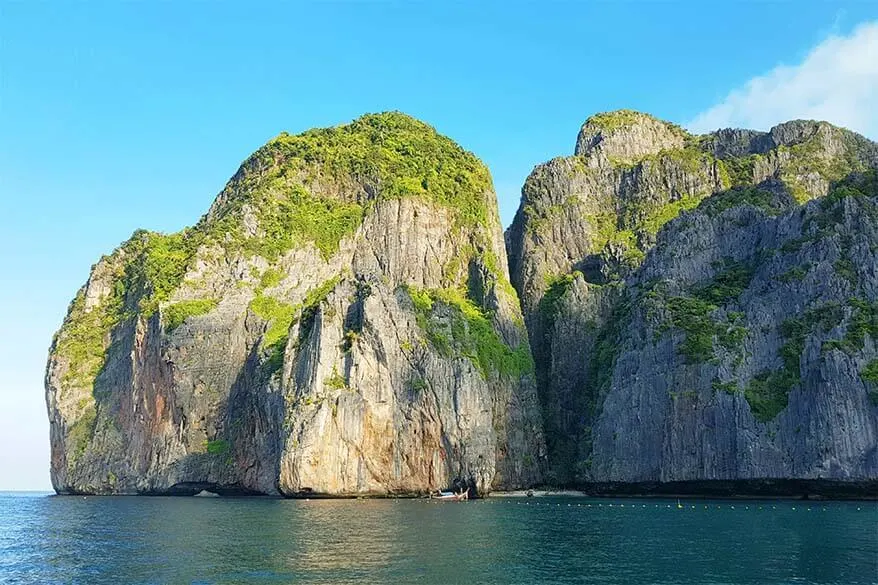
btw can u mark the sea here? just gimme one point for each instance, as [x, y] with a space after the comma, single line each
[230, 541]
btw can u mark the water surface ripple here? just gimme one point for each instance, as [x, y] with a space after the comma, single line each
[222, 541]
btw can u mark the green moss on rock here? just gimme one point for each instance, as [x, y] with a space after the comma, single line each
[270, 278]
[278, 314]
[467, 332]
[82, 341]
[335, 381]
[795, 274]
[728, 285]
[694, 313]
[281, 315]
[693, 317]
[316, 296]
[217, 447]
[729, 387]
[155, 265]
[737, 196]
[863, 321]
[300, 217]
[557, 288]
[607, 348]
[668, 211]
[768, 394]
[177, 313]
[869, 374]
[739, 170]
[82, 430]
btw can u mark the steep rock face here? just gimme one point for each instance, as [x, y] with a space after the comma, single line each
[748, 339]
[658, 348]
[340, 321]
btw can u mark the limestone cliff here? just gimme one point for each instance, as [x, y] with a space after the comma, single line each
[737, 341]
[340, 322]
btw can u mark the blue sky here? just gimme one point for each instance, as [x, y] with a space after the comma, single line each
[115, 116]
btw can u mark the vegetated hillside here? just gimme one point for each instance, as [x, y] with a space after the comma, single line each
[736, 342]
[340, 321]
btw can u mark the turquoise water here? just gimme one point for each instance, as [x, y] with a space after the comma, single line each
[535, 540]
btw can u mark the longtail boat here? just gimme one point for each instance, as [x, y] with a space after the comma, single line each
[450, 496]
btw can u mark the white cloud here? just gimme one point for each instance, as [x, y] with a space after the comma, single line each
[836, 82]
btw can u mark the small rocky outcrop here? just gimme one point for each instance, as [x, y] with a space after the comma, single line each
[698, 305]
[339, 322]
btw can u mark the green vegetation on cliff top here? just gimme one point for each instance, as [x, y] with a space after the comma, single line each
[400, 156]
[378, 156]
[796, 166]
[810, 157]
[313, 187]
[317, 186]
[618, 119]
[154, 265]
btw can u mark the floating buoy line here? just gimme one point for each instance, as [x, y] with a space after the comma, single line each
[678, 506]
